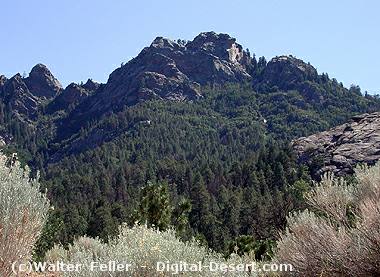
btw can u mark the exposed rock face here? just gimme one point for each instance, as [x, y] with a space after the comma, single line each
[287, 72]
[174, 70]
[90, 85]
[26, 95]
[16, 93]
[72, 95]
[221, 59]
[3, 79]
[341, 148]
[42, 83]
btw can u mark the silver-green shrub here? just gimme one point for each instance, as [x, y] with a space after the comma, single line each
[142, 247]
[340, 234]
[23, 211]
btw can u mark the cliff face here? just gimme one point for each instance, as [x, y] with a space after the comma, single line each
[26, 95]
[72, 95]
[17, 95]
[340, 149]
[287, 72]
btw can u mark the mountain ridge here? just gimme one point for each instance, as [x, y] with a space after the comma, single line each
[170, 70]
[185, 71]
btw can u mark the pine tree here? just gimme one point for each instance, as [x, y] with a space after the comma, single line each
[201, 218]
[103, 224]
[155, 208]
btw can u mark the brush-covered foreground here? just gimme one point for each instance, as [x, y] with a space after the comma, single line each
[340, 234]
[148, 251]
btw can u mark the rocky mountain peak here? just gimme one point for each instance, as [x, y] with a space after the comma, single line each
[340, 149]
[40, 69]
[26, 95]
[90, 85]
[294, 63]
[287, 70]
[220, 45]
[161, 42]
[42, 83]
[16, 93]
[171, 70]
[288, 73]
[175, 70]
[17, 84]
[72, 93]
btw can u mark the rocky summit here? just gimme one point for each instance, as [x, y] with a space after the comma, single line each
[340, 149]
[42, 83]
[26, 95]
[179, 70]
[287, 72]
[16, 94]
[174, 70]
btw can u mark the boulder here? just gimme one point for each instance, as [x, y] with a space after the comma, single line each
[343, 147]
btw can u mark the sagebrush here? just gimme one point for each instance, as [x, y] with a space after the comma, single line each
[340, 234]
[142, 247]
[23, 212]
